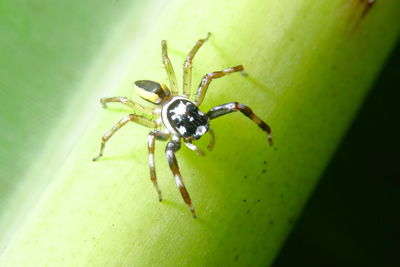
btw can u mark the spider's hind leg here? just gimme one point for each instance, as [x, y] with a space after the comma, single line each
[172, 147]
[224, 109]
[153, 135]
[193, 147]
[196, 149]
[211, 144]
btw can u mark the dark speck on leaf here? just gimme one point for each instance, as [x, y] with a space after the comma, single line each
[258, 200]
[264, 171]
[248, 212]
[236, 258]
[245, 177]
[271, 222]
[244, 200]
[264, 162]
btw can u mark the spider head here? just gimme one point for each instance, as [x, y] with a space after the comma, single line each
[152, 91]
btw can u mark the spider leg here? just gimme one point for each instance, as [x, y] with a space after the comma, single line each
[169, 68]
[170, 150]
[210, 145]
[206, 80]
[193, 147]
[187, 66]
[220, 110]
[153, 135]
[126, 101]
[212, 139]
[130, 118]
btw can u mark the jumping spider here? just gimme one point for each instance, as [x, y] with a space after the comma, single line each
[177, 115]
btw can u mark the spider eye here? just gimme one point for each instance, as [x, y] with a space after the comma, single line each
[152, 91]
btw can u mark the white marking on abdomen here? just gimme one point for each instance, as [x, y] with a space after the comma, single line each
[201, 130]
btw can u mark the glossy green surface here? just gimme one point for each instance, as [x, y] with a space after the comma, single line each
[309, 68]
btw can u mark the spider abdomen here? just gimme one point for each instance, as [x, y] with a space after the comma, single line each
[182, 116]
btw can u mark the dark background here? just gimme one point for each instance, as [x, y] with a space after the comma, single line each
[353, 219]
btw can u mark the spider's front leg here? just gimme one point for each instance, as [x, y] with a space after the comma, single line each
[153, 135]
[130, 118]
[170, 150]
[224, 109]
[205, 82]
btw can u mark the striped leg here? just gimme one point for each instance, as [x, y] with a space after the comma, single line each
[220, 110]
[127, 102]
[210, 145]
[130, 118]
[187, 66]
[153, 135]
[205, 82]
[212, 139]
[170, 150]
[169, 68]
[194, 148]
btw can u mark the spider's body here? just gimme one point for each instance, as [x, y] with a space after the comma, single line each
[182, 117]
[178, 115]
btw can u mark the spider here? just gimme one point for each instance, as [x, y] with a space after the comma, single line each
[177, 117]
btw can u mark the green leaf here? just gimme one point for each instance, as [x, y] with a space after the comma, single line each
[309, 66]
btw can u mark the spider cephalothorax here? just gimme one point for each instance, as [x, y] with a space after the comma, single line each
[177, 117]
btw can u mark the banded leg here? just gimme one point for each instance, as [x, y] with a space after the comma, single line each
[169, 69]
[210, 145]
[153, 135]
[194, 148]
[221, 110]
[187, 66]
[205, 82]
[212, 139]
[130, 118]
[127, 102]
[170, 150]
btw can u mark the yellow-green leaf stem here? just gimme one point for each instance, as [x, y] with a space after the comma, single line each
[309, 66]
